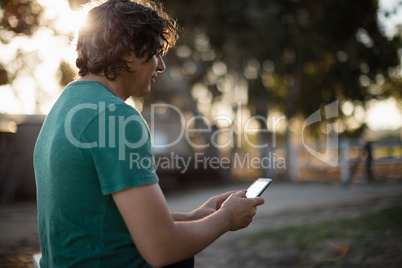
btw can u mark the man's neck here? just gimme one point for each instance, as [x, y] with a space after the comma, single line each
[116, 86]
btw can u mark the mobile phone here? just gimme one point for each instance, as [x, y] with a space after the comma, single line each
[258, 187]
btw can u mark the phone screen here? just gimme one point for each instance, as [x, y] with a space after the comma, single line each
[258, 187]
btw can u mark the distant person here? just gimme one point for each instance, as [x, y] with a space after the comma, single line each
[96, 208]
[369, 161]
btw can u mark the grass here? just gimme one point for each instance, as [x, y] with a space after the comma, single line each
[373, 240]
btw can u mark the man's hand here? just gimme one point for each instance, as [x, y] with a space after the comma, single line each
[240, 209]
[211, 205]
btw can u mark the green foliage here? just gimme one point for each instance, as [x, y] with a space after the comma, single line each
[76, 4]
[301, 54]
[320, 51]
[66, 73]
[3, 3]
[3, 76]
[21, 17]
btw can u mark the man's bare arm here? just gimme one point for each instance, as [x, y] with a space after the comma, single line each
[163, 241]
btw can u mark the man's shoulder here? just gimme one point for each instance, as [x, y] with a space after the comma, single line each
[84, 102]
[94, 97]
[89, 92]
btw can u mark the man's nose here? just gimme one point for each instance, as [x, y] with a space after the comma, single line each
[161, 65]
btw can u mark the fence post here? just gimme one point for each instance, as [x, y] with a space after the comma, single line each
[345, 170]
[294, 162]
[271, 173]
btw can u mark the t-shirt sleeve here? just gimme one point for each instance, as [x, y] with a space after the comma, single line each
[121, 151]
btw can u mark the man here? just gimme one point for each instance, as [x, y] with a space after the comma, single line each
[96, 209]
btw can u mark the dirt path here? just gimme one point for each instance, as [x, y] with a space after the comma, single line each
[286, 204]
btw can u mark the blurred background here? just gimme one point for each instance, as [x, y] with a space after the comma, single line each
[255, 78]
[248, 74]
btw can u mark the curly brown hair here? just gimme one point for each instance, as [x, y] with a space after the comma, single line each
[116, 28]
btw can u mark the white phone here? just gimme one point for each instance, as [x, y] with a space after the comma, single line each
[258, 187]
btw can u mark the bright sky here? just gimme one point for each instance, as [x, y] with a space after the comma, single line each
[392, 19]
[41, 76]
[383, 115]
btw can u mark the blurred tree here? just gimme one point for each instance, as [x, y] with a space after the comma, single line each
[21, 17]
[21, 20]
[290, 55]
[294, 54]
[17, 17]
[3, 75]
[285, 50]
[67, 74]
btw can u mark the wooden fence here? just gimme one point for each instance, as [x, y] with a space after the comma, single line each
[358, 161]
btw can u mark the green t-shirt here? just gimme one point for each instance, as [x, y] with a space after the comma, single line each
[91, 145]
